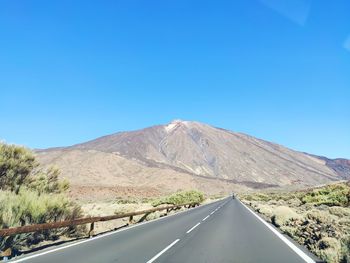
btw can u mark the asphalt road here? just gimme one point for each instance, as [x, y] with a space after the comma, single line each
[224, 231]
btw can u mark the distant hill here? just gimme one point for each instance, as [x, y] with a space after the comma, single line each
[186, 154]
[340, 165]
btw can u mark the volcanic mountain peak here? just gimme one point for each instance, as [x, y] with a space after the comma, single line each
[183, 153]
[174, 124]
[203, 150]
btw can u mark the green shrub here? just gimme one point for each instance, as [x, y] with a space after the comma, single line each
[31, 195]
[16, 164]
[181, 198]
[18, 169]
[331, 195]
[27, 207]
[46, 181]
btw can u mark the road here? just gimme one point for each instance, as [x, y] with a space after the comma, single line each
[224, 231]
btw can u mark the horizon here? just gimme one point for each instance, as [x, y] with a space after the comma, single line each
[278, 71]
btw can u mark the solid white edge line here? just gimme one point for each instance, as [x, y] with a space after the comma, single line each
[283, 238]
[193, 228]
[14, 260]
[161, 252]
[205, 218]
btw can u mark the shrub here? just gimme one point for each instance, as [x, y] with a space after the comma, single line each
[257, 197]
[331, 195]
[329, 249]
[27, 207]
[181, 198]
[265, 210]
[16, 164]
[18, 168]
[345, 249]
[46, 181]
[340, 211]
[283, 214]
[123, 201]
[31, 195]
[319, 216]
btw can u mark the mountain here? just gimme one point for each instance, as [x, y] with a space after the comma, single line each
[186, 154]
[339, 165]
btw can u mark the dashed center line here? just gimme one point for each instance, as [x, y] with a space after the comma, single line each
[205, 218]
[193, 228]
[177, 240]
[163, 251]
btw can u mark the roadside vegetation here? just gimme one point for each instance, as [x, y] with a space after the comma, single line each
[132, 204]
[180, 198]
[317, 218]
[31, 195]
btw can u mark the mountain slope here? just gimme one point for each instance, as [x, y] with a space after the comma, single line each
[202, 150]
[339, 165]
[97, 175]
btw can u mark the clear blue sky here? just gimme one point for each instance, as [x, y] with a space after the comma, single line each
[71, 71]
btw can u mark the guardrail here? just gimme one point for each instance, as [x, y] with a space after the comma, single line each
[87, 220]
[80, 221]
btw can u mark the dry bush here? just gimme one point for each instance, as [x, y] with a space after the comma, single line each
[283, 214]
[339, 211]
[265, 210]
[329, 249]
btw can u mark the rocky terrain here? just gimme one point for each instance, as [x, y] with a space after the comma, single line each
[183, 155]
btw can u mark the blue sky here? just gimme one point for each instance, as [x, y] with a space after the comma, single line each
[71, 71]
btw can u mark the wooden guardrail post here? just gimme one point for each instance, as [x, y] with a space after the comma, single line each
[131, 220]
[91, 231]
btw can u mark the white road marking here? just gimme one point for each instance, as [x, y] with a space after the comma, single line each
[212, 212]
[193, 228]
[163, 251]
[205, 218]
[283, 238]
